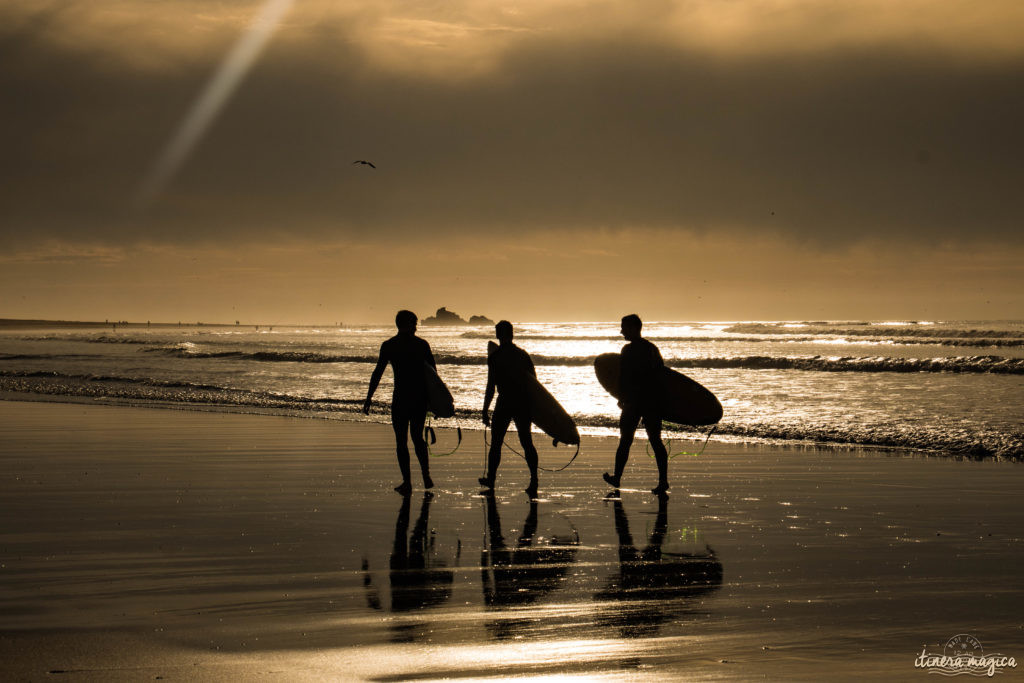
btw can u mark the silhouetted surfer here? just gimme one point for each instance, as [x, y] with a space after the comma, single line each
[507, 368]
[406, 353]
[640, 392]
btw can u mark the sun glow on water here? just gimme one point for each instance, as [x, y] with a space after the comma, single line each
[832, 384]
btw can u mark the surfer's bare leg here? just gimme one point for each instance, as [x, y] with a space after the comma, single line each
[499, 428]
[400, 423]
[653, 426]
[416, 422]
[628, 422]
[523, 423]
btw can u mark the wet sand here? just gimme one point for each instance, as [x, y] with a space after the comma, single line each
[142, 543]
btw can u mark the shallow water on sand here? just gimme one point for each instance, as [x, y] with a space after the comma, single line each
[278, 542]
[954, 388]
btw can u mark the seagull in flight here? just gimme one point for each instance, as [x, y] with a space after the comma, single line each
[360, 161]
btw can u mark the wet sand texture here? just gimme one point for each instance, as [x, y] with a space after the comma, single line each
[143, 543]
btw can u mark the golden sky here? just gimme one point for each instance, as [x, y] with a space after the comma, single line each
[536, 160]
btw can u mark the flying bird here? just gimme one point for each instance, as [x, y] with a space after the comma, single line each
[360, 161]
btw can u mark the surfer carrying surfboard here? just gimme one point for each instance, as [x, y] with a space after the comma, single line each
[509, 369]
[406, 353]
[640, 394]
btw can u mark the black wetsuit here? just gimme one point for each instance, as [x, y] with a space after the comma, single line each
[407, 354]
[640, 391]
[638, 380]
[508, 366]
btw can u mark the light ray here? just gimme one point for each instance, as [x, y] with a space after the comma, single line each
[213, 98]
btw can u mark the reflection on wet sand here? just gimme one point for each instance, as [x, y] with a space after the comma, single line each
[520, 576]
[653, 585]
[419, 579]
[542, 585]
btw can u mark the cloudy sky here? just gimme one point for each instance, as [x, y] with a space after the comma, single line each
[536, 159]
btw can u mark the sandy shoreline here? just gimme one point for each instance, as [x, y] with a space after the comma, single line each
[139, 543]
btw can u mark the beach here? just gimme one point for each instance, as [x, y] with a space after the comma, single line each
[142, 543]
[245, 242]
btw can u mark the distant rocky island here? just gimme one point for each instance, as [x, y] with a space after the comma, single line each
[446, 317]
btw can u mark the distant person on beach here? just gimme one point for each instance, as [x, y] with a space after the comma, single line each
[640, 392]
[406, 353]
[508, 367]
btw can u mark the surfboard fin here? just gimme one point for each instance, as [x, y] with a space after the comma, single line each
[432, 435]
[554, 442]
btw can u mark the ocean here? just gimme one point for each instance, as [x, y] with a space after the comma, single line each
[945, 388]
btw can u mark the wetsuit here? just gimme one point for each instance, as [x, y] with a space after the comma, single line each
[638, 380]
[640, 391]
[407, 354]
[508, 366]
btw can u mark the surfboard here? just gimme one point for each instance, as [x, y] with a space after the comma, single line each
[439, 399]
[683, 400]
[545, 410]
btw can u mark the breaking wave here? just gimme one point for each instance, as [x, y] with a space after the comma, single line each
[101, 339]
[957, 364]
[44, 356]
[739, 333]
[134, 388]
[891, 331]
[956, 442]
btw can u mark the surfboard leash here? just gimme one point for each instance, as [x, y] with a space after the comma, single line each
[487, 447]
[566, 465]
[668, 447]
[430, 436]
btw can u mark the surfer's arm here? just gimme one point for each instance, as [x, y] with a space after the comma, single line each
[488, 394]
[378, 372]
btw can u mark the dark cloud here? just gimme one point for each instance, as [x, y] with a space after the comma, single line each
[831, 147]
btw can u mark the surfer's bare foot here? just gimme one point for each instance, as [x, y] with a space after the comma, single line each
[612, 481]
[661, 489]
[405, 488]
[531, 490]
[486, 483]
[428, 483]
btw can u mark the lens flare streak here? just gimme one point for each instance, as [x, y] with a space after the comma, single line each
[211, 101]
